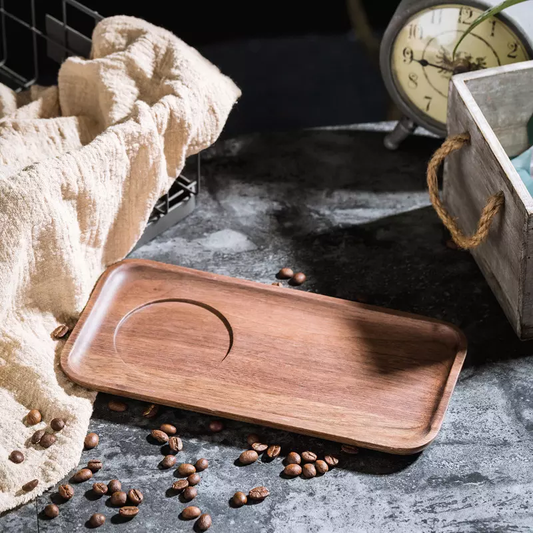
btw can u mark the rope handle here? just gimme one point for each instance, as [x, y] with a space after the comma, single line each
[491, 209]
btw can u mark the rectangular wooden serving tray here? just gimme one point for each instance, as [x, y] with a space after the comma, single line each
[276, 356]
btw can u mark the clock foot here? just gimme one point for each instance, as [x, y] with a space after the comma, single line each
[401, 131]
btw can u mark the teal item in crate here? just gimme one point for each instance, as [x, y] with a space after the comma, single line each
[522, 163]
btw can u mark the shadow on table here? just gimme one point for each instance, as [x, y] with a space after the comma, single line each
[347, 213]
[402, 262]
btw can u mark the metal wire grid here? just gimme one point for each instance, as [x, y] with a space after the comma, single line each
[37, 31]
[63, 40]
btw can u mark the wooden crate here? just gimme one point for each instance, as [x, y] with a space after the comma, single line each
[494, 107]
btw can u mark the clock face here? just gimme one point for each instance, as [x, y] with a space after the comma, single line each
[422, 54]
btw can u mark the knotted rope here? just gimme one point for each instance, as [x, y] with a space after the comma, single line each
[491, 209]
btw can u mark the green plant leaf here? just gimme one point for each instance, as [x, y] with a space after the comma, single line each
[484, 16]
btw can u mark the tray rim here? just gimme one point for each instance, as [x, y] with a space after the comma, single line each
[416, 446]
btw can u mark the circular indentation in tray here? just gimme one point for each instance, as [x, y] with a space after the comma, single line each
[165, 333]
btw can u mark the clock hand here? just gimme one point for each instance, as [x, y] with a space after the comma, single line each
[425, 63]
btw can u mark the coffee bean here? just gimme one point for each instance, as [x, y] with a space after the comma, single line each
[65, 491]
[175, 444]
[190, 493]
[51, 510]
[201, 465]
[114, 486]
[273, 451]
[59, 332]
[204, 522]
[135, 496]
[47, 440]
[321, 466]
[309, 457]
[293, 459]
[91, 441]
[97, 520]
[239, 499]
[128, 511]
[16, 457]
[186, 469]
[292, 470]
[159, 436]
[151, 411]
[30, 485]
[298, 279]
[169, 429]
[100, 488]
[191, 512]
[33, 417]
[352, 450]
[118, 498]
[82, 475]
[168, 461]
[194, 479]
[216, 425]
[117, 406]
[180, 485]
[57, 424]
[331, 460]
[258, 493]
[252, 438]
[309, 470]
[94, 465]
[285, 273]
[248, 457]
[259, 447]
[37, 436]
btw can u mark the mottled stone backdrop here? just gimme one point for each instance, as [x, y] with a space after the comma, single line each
[356, 219]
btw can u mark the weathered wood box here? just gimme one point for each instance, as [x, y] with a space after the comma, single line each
[494, 107]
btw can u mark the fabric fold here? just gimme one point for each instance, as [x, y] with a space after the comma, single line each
[81, 167]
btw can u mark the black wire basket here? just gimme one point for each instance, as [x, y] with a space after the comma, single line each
[37, 36]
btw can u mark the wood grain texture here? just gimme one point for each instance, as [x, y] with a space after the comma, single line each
[276, 356]
[491, 106]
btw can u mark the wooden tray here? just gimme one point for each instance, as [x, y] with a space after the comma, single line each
[284, 358]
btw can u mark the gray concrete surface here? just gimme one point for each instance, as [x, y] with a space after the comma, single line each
[357, 220]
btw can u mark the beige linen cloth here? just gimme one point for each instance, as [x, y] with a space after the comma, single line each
[81, 166]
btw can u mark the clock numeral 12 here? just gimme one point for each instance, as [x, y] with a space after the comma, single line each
[465, 15]
[428, 98]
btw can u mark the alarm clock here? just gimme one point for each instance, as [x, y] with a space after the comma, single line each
[416, 55]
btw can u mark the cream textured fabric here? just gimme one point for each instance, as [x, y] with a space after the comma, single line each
[81, 166]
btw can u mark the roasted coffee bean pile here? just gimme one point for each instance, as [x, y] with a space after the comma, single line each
[127, 501]
[293, 278]
[41, 437]
[307, 464]
[166, 435]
